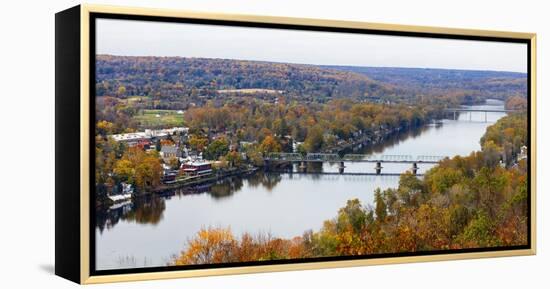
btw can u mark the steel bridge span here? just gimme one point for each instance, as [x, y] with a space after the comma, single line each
[354, 158]
[455, 111]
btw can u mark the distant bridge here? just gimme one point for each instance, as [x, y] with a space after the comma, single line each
[480, 110]
[458, 110]
[354, 158]
[335, 175]
[357, 158]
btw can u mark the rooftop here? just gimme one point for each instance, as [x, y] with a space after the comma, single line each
[148, 133]
[169, 149]
[198, 163]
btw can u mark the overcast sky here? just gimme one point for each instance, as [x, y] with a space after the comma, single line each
[144, 38]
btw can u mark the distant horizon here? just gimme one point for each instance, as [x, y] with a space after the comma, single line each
[319, 65]
[168, 39]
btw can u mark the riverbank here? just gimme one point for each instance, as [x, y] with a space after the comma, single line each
[378, 138]
[217, 176]
[183, 182]
[362, 139]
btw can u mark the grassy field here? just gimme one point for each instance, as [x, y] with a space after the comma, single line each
[134, 99]
[155, 118]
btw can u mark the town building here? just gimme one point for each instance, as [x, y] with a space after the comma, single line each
[169, 151]
[134, 138]
[197, 168]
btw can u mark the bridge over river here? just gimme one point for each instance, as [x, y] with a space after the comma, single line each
[458, 110]
[359, 158]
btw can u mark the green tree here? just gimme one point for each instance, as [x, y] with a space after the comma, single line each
[490, 188]
[216, 149]
[479, 232]
[353, 215]
[381, 209]
[314, 140]
[491, 154]
[441, 179]
[281, 127]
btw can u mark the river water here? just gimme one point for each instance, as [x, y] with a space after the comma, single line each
[150, 231]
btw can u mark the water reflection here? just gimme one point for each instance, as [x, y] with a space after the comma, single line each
[267, 181]
[143, 210]
[392, 140]
[225, 188]
[149, 209]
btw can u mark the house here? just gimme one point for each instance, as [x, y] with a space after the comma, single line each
[197, 168]
[169, 151]
[144, 144]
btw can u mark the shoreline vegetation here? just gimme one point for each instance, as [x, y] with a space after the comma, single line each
[463, 202]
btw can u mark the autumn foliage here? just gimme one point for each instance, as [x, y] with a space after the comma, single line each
[219, 245]
[464, 202]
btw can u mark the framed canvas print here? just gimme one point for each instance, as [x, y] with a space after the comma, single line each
[194, 144]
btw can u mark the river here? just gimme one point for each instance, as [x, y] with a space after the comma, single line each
[150, 231]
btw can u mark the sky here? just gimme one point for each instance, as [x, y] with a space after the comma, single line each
[145, 38]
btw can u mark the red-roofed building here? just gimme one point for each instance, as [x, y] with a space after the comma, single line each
[197, 168]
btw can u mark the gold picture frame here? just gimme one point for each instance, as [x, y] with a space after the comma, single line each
[68, 242]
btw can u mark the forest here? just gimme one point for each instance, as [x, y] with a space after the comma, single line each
[177, 82]
[185, 80]
[474, 201]
[131, 91]
[474, 85]
[319, 126]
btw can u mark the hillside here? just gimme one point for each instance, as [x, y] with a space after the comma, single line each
[193, 79]
[484, 84]
[177, 82]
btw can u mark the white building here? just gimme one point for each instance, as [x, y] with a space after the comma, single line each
[134, 137]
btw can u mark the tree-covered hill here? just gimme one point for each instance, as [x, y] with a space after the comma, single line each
[476, 83]
[172, 78]
[178, 82]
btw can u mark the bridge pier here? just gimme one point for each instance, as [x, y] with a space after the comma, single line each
[341, 168]
[414, 168]
[378, 168]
